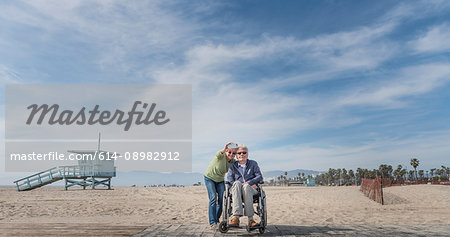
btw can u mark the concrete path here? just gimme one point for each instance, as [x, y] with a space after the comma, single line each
[286, 230]
[97, 229]
[68, 229]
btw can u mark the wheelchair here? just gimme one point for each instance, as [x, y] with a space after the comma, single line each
[261, 209]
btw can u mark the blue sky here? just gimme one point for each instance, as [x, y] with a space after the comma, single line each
[305, 84]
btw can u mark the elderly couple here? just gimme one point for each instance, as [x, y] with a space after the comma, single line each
[243, 174]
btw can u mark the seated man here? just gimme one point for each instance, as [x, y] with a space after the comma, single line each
[243, 175]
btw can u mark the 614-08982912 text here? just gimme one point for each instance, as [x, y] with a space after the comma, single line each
[129, 156]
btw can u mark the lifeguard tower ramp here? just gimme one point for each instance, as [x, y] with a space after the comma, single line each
[92, 171]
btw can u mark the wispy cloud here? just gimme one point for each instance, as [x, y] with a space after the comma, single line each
[410, 81]
[415, 10]
[8, 75]
[120, 31]
[435, 40]
[360, 49]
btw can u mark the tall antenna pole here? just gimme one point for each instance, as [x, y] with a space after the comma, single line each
[98, 147]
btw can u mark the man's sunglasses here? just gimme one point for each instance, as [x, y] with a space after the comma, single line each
[242, 153]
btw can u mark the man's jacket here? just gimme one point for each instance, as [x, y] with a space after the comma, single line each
[252, 174]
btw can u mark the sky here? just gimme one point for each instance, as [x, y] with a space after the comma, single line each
[304, 84]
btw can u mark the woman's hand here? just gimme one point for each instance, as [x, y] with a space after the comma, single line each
[226, 147]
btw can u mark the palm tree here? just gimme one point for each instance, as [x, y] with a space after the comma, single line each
[385, 170]
[331, 176]
[446, 171]
[421, 172]
[359, 172]
[352, 175]
[344, 175]
[374, 173]
[326, 178]
[438, 173]
[414, 163]
[339, 175]
[398, 172]
[403, 173]
[411, 175]
[389, 171]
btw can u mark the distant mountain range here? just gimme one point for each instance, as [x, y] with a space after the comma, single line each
[155, 178]
[291, 173]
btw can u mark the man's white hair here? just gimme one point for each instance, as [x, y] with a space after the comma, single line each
[242, 146]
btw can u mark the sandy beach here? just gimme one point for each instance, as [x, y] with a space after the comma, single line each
[129, 210]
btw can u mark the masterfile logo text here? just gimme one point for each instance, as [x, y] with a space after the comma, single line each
[139, 123]
[91, 117]
[81, 111]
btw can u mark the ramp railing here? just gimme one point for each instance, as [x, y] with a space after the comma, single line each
[38, 179]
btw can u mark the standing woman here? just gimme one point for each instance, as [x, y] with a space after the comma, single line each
[214, 181]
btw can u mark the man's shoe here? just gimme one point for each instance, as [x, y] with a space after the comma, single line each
[213, 226]
[252, 223]
[234, 221]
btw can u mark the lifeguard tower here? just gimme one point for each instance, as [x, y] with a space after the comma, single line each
[92, 171]
[310, 182]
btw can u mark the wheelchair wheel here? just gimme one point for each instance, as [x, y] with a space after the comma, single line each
[263, 211]
[223, 227]
[261, 230]
[230, 210]
[225, 208]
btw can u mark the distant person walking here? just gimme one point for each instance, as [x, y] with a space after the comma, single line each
[214, 181]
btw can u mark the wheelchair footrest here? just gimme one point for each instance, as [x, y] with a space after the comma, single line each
[255, 227]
